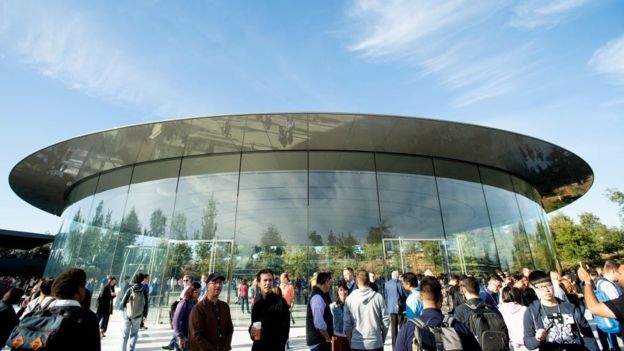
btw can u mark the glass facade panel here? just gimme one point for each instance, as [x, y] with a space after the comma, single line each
[104, 221]
[408, 197]
[469, 235]
[298, 212]
[272, 207]
[344, 210]
[535, 225]
[149, 218]
[511, 239]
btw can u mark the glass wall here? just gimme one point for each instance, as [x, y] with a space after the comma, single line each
[299, 212]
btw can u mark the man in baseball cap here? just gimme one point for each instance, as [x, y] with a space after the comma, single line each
[210, 326]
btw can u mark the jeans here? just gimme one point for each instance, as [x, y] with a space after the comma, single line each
[131, 329]
[104, 322]
[244, 301]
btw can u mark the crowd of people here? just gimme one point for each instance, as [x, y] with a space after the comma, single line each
[531, 310]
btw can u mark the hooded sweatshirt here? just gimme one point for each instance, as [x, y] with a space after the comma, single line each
[513, 314]
[365, 319]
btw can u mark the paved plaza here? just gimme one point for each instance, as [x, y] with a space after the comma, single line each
[159, 334]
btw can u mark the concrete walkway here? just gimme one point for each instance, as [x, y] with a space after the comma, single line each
[158, 335]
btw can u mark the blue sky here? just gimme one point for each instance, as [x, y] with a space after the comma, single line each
[553, 70]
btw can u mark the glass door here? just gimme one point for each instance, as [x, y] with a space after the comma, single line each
[415, 255]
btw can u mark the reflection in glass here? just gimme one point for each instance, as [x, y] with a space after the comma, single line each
[535, 225]
[408, 196]
[511, 240]
[469, 235]
[298, 212]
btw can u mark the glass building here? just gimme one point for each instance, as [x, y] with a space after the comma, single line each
[300, 193]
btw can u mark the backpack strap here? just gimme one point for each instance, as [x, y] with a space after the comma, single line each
[448, 321]
[419, 324]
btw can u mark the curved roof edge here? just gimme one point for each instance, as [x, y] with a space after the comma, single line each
[44, 178]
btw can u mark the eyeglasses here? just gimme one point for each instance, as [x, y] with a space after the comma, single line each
[543, 287]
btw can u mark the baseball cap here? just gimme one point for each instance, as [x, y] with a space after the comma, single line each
[214, 276]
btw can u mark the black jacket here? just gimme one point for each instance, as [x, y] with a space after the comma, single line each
[274, 313]
[105, 301]
[8, 321]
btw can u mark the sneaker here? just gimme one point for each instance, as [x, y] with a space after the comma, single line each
[167, 347]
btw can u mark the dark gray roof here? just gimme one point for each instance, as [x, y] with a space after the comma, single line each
[44, 178]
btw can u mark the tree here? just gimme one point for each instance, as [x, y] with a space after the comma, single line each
[315, 239]
[209, 220]
[158, 223]
[178, 227]
[617, 196]
[573, 242]
[377, 233]
[179, 257]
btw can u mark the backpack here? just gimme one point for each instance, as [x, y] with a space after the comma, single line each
[172, 310]
[401, 300]
[441, 338]
[39, 330]
[607, 325]
[488, 327]
[136, 303]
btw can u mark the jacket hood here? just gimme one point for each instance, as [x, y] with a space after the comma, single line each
[510, 307]
[137, 287]
[366, 295]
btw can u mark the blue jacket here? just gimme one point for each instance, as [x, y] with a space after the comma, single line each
[533, 320]
[434, 317]
[393, 289]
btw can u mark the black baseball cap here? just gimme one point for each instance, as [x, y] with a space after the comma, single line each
[214, 276]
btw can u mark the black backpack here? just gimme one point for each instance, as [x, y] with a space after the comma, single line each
[489, 327]
[172, 310]
[40, 330]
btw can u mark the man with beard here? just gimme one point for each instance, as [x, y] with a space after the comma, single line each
[271, 312]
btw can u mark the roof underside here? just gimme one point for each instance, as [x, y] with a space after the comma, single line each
[44, 178]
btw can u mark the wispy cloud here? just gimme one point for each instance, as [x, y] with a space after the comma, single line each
[445, 40]
[393, 27]
[531, 14]
[609, 60]
[69, 46]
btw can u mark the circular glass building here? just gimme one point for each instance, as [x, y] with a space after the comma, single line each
[300, 193]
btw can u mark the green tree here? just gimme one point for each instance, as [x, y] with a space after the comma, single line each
[209, 220]
[377, 233]
[315, 239]
[617, 196]
[573, 242]
[179, 258]
[129, 229]
[158, 224]
[178, 227]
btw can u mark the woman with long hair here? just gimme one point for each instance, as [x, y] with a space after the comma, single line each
[182, 314]
[339, 340]
[513, 314]
[105, 304]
